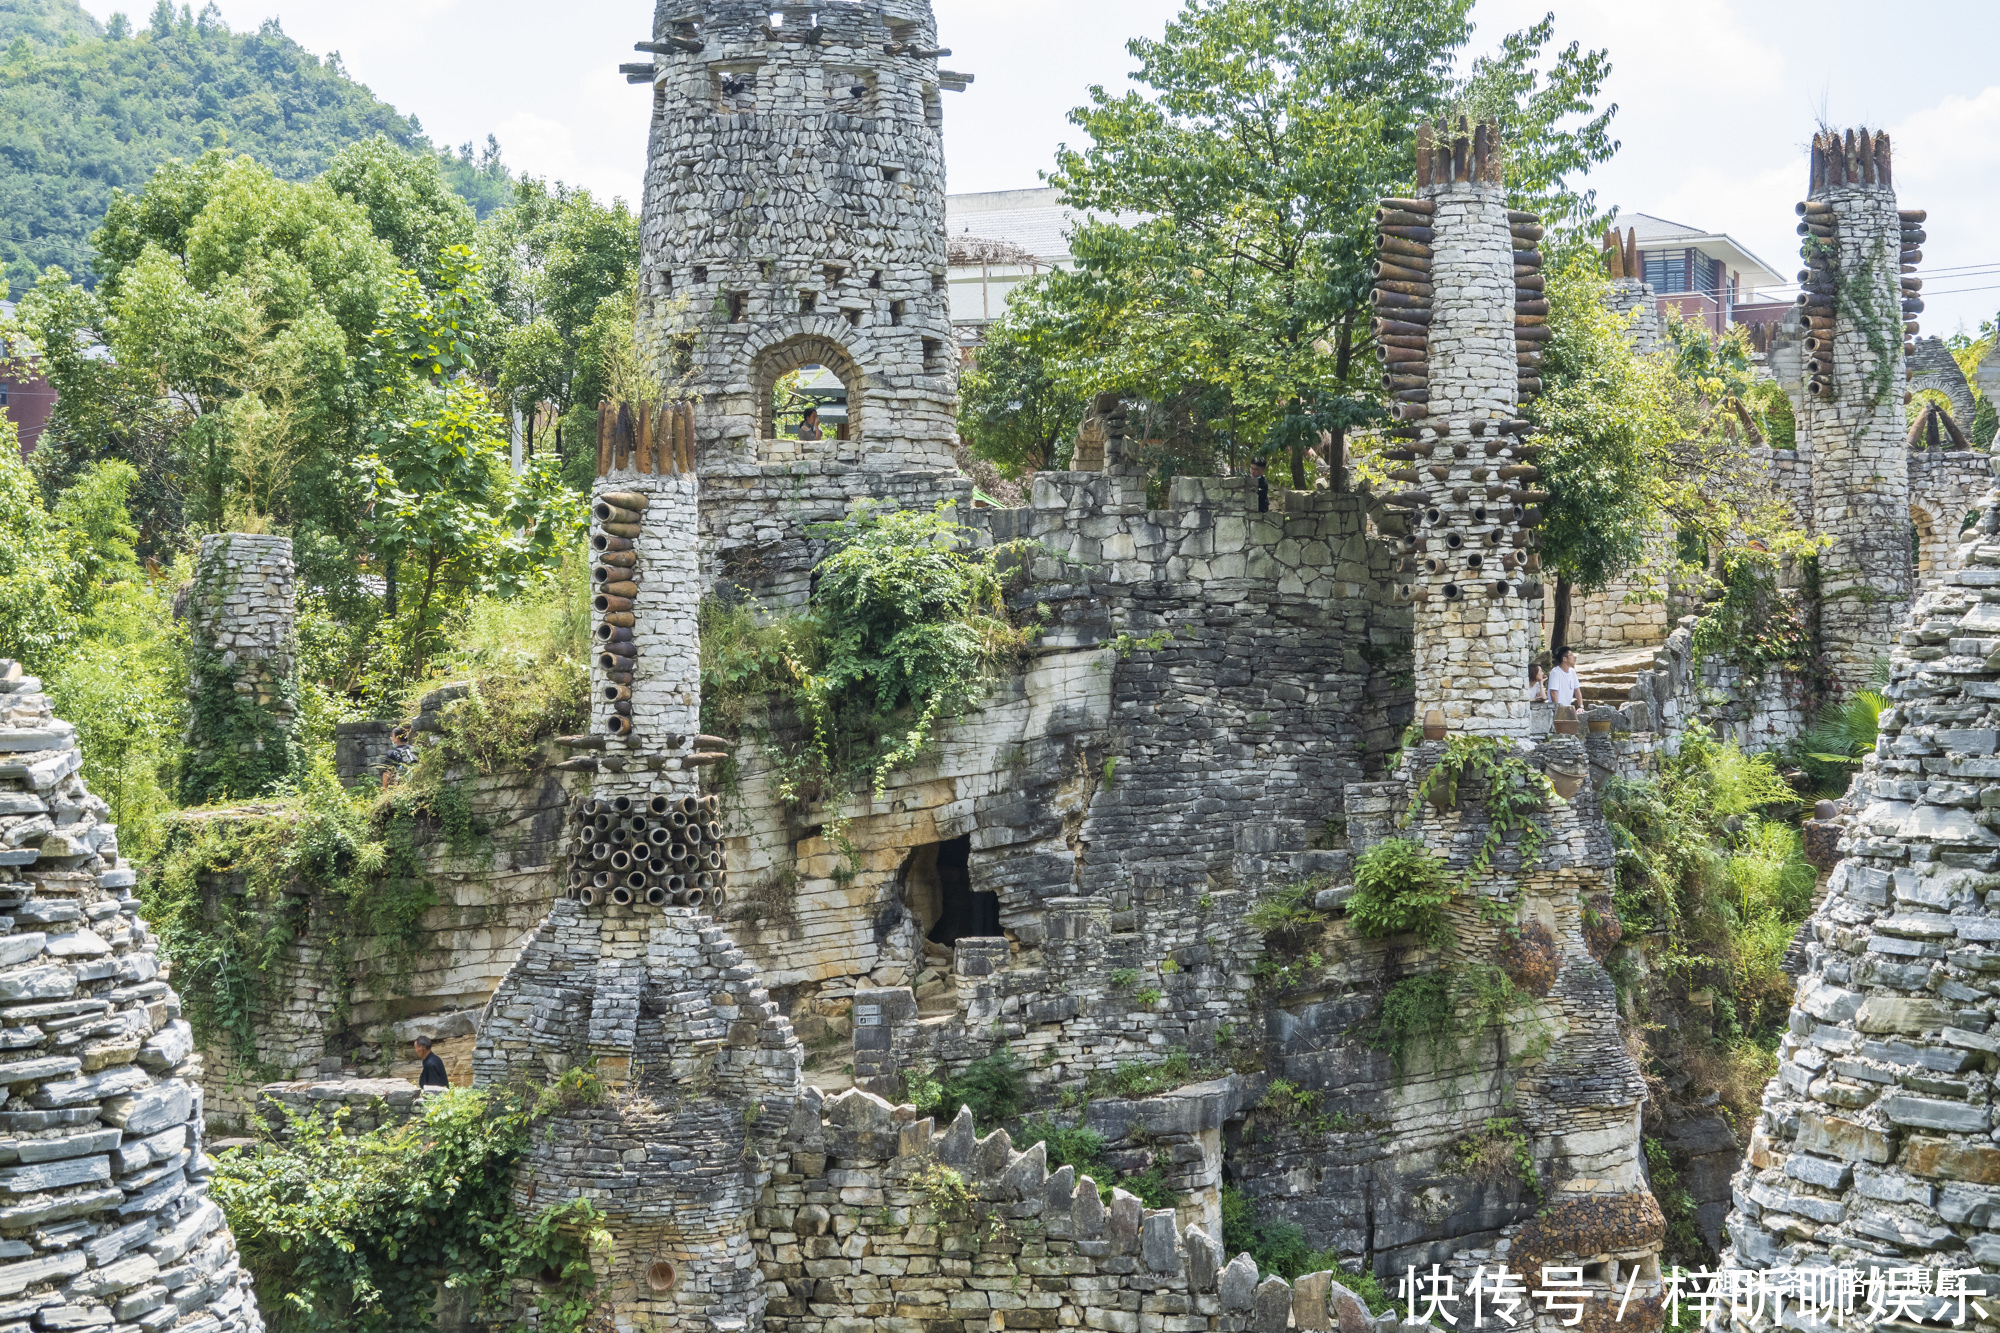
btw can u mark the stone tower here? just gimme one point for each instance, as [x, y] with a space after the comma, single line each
[795, 216]
[1852, 411]
[1460, 320]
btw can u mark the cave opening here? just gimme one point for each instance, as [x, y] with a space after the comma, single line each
[937, 889]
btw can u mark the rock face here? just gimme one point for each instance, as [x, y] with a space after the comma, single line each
[1875, 1142]
[104, 1214]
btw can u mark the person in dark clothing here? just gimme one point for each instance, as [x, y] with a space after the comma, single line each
[1263, 488]
[433, 1075]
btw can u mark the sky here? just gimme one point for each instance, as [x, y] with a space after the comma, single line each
[1717, 98]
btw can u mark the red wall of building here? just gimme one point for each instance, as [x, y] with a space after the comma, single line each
[30, 401]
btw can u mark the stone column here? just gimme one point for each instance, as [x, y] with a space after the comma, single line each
[1479, 614]
[646, 676]
[243, 668]
[1853, 406]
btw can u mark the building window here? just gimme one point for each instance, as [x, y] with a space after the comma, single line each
[1667, 270]
[3, 395]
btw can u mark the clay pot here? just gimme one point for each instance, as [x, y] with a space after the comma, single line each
[1600, 726]
[1434, 727]
[1444, 796]
[1566, 784]
[1566, 723]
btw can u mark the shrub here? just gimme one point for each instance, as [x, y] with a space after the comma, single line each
[1401, 889]
[348, 1233]
[994, 1086]
[1287, 916]
[1529, 957]
[1416, 1012]
[1495, 1154]
[1280, 1249]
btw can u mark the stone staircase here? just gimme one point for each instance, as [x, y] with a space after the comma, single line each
[1608, 677]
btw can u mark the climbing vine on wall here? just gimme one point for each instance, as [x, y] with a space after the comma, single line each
[231, 890]
[1516, 791]
[244, 748]
[907, 624]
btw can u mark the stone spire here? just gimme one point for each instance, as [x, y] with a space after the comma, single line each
[1852, 412]
[103, 1180]
[1460, 318]
[1875, 1142]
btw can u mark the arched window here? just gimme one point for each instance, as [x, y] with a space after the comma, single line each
[800, 353]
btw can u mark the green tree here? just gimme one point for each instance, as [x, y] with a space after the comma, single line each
[90, 115]
[1268, 134]
[564, 271]
[409, 203]
[1608, 417]
[1012, 409]
[445, 505]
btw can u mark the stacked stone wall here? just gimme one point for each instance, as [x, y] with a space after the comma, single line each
[492, 890]
[1874, 1142]
[1209, 679]
[104, 1214]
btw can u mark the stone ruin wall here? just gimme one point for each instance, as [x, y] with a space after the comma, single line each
[1256, 674]
[852, 1234]
[493, 893]
[104, 1214]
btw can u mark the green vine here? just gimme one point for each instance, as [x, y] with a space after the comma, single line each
[232, 890]
[1516, 791]
[239, 748]
[907, 625]
[1858, 300]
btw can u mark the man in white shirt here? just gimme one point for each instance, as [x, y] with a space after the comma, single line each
[1564, 687]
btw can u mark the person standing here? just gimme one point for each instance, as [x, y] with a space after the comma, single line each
[1564, 685]
[1538, 684]
[432, 1075]
[809, 430]
[1263, 488]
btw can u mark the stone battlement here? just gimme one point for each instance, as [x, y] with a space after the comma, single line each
[876, 1215]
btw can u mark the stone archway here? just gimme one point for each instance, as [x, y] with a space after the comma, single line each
[810, 349]
[1931, 550]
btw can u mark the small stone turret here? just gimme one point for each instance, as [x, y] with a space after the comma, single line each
[1852, 416]
[243, 678]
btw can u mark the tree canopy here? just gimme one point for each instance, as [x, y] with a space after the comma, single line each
[1224, 273]
[319, 359]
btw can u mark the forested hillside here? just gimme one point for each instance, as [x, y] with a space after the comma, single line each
[85, 109]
